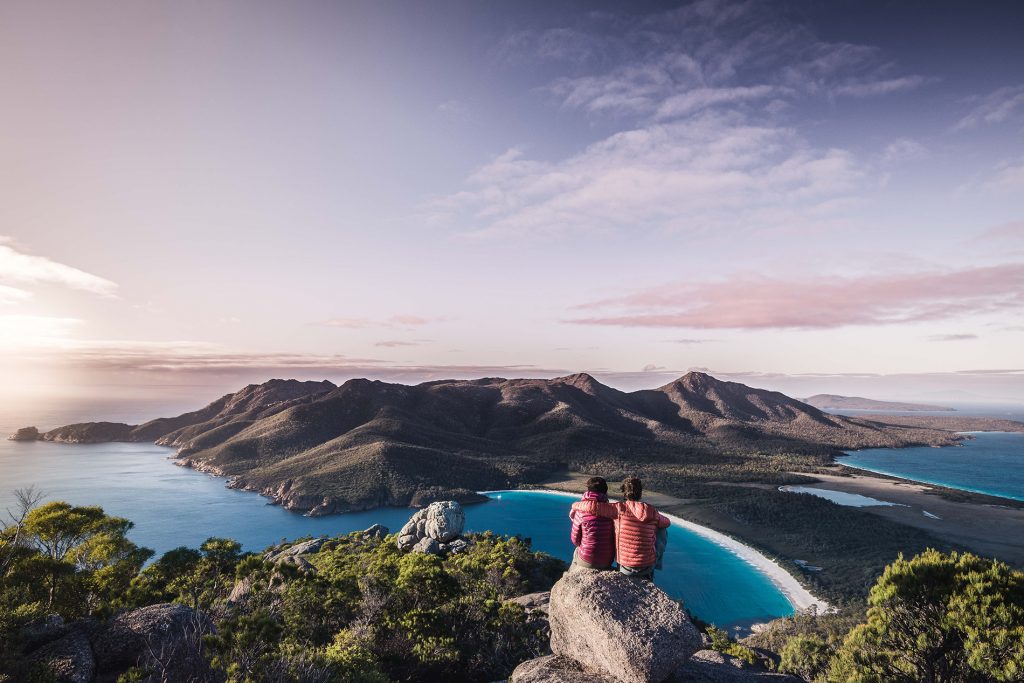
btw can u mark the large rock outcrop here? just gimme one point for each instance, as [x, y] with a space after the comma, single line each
[68, 659]
[625, 627]
[434, 529]
[608, 628]
[165, 638]
[555, 669]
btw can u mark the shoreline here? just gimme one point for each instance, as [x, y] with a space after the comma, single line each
[798, 596]
[987, 528]
[925, 482]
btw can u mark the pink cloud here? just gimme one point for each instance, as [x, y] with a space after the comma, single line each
[752, 301]
[1011, 230]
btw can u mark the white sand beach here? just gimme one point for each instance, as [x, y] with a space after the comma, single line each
[798, 596]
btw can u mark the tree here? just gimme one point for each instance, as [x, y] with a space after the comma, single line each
[938, 618]
[211, 577]
[83, 551]
[12, 537]
[807, 656]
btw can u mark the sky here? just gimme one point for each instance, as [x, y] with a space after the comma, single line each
[799, 195]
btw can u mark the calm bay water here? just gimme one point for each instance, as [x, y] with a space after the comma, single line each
[990, 463]
[173, 506]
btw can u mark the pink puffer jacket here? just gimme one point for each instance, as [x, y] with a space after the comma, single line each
[593, 535]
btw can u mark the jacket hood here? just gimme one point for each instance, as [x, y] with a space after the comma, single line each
[641, 510]
[593, 495]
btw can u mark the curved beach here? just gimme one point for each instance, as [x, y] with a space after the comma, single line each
[798, 596]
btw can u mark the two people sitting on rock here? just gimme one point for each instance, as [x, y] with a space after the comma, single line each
[633, 542]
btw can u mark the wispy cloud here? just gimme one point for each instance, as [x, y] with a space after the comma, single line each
[13, 295]
[1011, 230]
[996, 107]
[456, 110]
[1007, 178]
[699, 147]
[874, 88]
[398, 343]
[19, 267]
[349, 323]
[400, 320]
[701, 98]
[701, 174]
[904, 149]
[692, 341]
[752, 301]
[951, 337]
[710, 53]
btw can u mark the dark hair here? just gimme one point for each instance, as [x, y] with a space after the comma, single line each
[632, 489]
[597, 485]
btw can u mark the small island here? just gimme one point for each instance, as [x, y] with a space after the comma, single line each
[25, 434]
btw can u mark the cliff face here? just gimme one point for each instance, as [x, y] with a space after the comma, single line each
[326, 448]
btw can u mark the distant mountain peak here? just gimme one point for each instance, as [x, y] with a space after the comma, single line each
[581, 380]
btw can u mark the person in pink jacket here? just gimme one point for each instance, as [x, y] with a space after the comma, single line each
[593, 536]
[636, 528]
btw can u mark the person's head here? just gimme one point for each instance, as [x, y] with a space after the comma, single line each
[632, 489]
[597, 485]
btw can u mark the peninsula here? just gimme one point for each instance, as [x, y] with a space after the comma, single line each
[836, 402]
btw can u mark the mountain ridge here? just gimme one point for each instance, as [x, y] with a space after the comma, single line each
[320, 448]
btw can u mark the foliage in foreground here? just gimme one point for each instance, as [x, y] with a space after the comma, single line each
[934, 618]
[366, 613]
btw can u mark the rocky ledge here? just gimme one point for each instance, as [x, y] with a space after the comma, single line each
[608, 628]
[165, 639]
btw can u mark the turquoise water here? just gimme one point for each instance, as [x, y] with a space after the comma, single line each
[173, 506]
[990, 463]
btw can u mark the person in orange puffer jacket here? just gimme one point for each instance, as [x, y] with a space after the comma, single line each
[636, 528]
